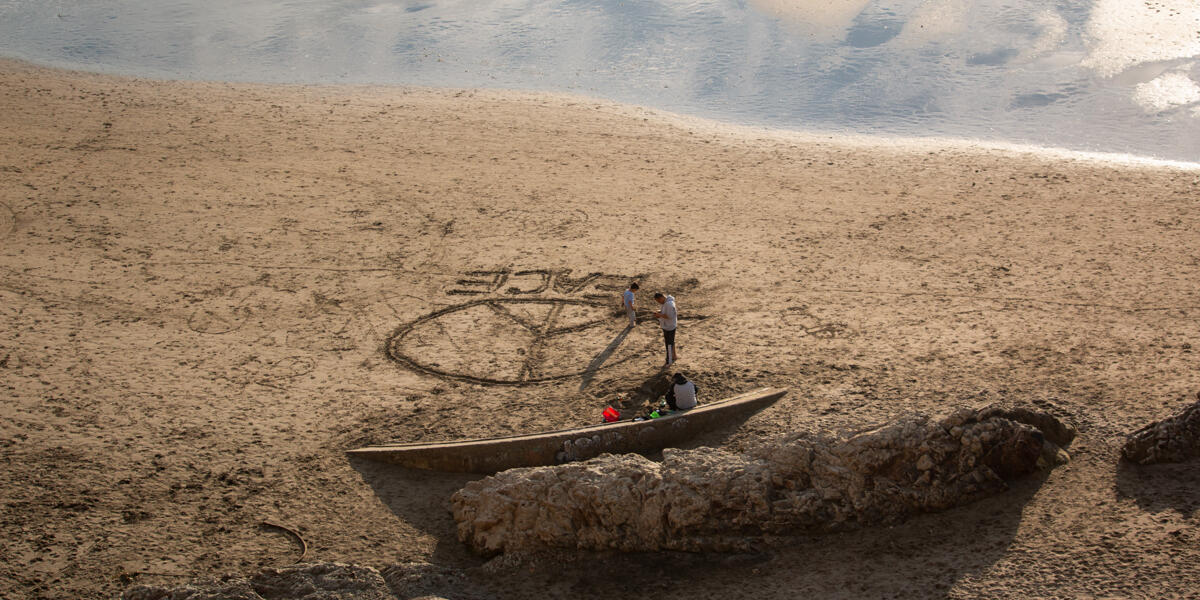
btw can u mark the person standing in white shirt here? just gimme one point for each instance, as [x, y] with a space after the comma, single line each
[668, 319]
[627, 302]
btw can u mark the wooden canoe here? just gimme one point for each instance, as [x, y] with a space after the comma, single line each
[538, 449]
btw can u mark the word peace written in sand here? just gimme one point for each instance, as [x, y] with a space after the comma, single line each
[539, 281]
[517, 335]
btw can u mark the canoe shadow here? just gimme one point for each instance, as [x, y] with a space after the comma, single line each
[422, 500]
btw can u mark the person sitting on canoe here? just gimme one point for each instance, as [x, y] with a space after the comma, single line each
[682, 393]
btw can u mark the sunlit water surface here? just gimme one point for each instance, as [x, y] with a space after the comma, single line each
[1115, 76]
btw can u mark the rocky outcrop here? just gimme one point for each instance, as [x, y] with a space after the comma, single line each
[712, 500]
[1174, 439]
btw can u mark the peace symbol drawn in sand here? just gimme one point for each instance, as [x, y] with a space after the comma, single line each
[511, 341]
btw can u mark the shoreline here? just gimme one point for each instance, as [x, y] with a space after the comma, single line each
[782, 134]
[201, 283]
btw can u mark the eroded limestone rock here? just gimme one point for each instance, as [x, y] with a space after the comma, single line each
[1174, 439]
[712, 500]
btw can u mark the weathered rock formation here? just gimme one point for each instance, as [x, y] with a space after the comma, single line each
[1174, 439]
[712, 500]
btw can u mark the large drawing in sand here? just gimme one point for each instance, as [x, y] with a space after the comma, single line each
[562, 328]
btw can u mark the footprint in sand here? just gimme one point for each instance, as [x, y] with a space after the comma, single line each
[8, 220]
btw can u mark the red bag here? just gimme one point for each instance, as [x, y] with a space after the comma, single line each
[611, 414]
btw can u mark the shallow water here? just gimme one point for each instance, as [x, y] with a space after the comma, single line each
[1098, 75]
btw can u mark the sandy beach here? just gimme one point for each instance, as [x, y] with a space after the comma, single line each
[202, 283]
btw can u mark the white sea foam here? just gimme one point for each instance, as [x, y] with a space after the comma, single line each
[1126, 33]
[1167, 91]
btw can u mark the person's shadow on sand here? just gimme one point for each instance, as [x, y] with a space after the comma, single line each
[598, 361]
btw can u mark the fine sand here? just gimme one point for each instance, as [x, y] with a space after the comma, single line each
[200, 281]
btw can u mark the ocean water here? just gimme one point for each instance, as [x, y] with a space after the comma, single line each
[1113, 76]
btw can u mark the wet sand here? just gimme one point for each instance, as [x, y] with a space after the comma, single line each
[206, 287]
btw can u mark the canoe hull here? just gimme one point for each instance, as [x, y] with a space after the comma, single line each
[555, 447]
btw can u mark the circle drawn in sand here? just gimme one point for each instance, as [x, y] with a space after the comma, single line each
[513, 341]
[539, 222]
[290, 367]
[214, 322]
[806, 323]
[219, 315]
